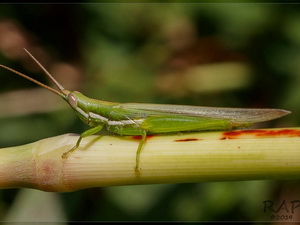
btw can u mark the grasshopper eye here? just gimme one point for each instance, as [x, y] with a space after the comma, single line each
[72, 100]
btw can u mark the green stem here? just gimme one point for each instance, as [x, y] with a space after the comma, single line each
[191, 157]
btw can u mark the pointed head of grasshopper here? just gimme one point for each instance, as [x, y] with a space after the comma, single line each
[70, 97]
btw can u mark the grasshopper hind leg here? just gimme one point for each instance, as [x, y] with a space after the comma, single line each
[82, 135]
[138, 152]
[132, 130]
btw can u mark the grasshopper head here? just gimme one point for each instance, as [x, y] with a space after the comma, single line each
[79, 103]
[74, 98]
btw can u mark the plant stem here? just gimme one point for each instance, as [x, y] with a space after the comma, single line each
[190, 157]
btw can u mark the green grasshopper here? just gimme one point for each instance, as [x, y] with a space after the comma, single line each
[142, 119]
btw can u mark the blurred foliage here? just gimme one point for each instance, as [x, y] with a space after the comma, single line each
[234, 55]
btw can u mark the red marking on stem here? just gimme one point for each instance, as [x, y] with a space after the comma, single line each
[187, 139]
[47, 172]
[261, 133]
[139, 137]
[227, 138]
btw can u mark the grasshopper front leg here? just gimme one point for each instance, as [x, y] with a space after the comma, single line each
[82, 135]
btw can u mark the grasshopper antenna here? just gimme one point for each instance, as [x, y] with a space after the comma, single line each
[61, 88]
[33, 80]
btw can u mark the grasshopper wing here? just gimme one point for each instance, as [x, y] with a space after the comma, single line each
[237, 115]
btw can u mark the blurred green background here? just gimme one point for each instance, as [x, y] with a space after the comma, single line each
[232, 55]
